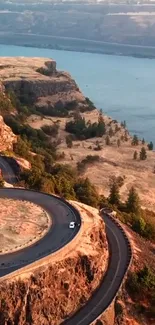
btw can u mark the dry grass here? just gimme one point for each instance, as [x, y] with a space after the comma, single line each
[21, 223]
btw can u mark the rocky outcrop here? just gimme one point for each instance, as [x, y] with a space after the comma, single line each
[36, 80]
[7, 137]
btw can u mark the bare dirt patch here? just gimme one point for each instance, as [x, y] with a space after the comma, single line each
[21, 223]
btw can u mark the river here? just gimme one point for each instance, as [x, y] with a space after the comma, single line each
[122, 86]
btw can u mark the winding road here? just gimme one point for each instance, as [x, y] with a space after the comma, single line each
[62, 213]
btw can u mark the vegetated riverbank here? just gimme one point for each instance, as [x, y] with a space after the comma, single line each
[77, 45]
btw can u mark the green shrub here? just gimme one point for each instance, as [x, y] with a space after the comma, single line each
[51, 130]
[87, 161]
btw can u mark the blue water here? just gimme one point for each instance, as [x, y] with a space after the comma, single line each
[124, 87]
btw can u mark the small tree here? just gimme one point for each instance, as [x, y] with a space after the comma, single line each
[133, 202]
[123, 124]
[126, 136]
[135, 155]
[143, 142]
[69, 141]
[143, 154]
[117, 128]
[101, 126]
[135, 140]
[114, 197]
[107, 140]
[150, 145]
[118, 143]
[111, 132]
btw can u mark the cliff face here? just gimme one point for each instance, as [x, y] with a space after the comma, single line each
[7, 137]
[37, 80]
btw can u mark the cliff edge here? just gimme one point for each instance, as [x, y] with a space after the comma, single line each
[37, 81]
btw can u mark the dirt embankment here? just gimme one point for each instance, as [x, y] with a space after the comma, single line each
[54, 291]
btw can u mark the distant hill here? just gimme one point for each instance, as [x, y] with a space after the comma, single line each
[28, 23]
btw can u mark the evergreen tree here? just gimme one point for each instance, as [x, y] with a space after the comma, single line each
[135, 155]
[111, 132]
[150, 145]
[118, 143]
[133, 202]
[114, 197]
[69, 141]
[143, 141]
[107, 140]
[135, 140]
[117, 128]
[101, 126]
[126, 135]
[143, 154]
[123, 124]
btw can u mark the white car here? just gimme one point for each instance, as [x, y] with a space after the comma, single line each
[72, 225]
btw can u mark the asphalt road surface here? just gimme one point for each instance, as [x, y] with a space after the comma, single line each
[7, 171]
[62, 213]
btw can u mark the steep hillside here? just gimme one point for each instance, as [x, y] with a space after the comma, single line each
[114, 153]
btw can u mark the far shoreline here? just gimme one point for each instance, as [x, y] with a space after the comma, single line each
[77, 45]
